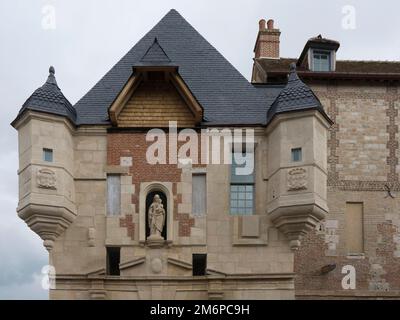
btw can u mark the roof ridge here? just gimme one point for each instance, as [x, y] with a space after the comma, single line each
[369, 61]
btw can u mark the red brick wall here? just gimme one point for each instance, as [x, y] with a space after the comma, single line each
[134, 144]
[268, 45]
[370, 281]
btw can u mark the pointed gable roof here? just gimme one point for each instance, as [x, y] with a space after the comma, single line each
[49, 99]
[225, 95]
[296, 96]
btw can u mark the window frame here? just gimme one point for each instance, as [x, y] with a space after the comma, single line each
[293, 152]
[48, 151]
[321, 52]
[237, 184]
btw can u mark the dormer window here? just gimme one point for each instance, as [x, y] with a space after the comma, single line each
[319, 55]
[321, 61]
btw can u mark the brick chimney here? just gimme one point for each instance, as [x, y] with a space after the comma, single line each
[267, 43]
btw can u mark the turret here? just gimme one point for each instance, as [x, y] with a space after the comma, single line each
[46, 185]
[297, 160]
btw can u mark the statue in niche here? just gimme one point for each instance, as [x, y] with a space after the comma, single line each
[156, 218]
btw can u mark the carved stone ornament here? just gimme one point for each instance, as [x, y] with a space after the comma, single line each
[297, 179]
[46, 179]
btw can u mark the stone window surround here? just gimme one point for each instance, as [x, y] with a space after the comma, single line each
[233, 147]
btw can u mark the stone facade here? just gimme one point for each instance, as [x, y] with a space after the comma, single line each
[363, 168]
[247, 256]
[362, 100]
[90, 202]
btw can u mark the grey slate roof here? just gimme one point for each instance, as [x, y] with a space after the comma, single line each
[296, 96]
[155, 54]
[225, 95]
[49, 98]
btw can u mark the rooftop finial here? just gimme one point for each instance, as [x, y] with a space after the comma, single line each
[51, 79]
[293, 73]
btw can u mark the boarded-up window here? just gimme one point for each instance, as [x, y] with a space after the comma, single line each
[113, 195]
[354, 228]
[199, 195]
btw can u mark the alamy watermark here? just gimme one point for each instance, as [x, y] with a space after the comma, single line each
[49, 16]
[349, 20]
[48, 277]
[210, 146]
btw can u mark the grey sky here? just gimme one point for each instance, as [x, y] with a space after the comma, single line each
[91, 36]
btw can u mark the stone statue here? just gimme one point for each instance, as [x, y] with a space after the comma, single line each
[156, 218]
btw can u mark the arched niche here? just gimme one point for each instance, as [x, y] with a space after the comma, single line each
[149, 200]
[164, 188]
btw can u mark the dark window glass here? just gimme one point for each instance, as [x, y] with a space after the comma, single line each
[199, 264]
[297, 155]
[113, 260]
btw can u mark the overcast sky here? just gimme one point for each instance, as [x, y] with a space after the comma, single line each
[87, 38]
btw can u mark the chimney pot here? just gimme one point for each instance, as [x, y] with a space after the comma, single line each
[261, 24]
[267, 43]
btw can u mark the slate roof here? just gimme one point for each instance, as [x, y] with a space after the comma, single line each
[155, 56]
[225, 95]
[296, 96]
[49, 98]
[342, 66]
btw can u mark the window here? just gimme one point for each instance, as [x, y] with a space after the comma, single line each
[113, 260]
[242, 190]
[242, 199]
[199, 264]
[321, 60]
[199, 195]
[354, 228]
[48, 155]
[113, 195]
[297, 155]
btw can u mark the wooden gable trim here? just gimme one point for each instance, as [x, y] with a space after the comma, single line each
[187, 96]
[123, 97]
[134, 82]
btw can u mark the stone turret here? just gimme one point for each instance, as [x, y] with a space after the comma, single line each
[297, 163]
[46, 154]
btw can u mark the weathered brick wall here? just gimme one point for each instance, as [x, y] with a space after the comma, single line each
[268, 45]
[362, 164]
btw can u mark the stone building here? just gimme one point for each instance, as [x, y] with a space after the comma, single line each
[141, 190]
[361, 229]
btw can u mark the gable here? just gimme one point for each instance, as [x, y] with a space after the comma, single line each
[151, 99]
[153, 104]
[224, 94]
